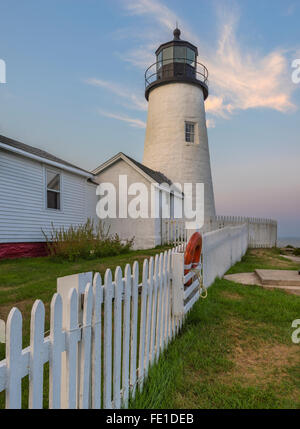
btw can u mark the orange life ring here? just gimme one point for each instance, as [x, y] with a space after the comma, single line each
[192, 254]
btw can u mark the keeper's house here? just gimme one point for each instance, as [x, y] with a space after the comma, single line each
[36, 189]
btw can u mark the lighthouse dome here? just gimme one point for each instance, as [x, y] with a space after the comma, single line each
[176, 61]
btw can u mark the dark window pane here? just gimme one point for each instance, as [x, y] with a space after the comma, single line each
[53, 200]
[191, 57]
[168, 55]
[53, 181]
[179, 54]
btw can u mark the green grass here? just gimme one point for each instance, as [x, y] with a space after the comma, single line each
[263, 259]
[234, 351]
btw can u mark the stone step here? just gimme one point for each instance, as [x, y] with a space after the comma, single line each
[253, 279]
[278, 277]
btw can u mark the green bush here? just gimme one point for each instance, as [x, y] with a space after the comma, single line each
[297, 251]
[87, 241]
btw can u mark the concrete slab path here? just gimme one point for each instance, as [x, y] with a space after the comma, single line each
[254, 279]
[279, 277]
[292, 258]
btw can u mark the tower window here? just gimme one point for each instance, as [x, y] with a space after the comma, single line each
[189, 132]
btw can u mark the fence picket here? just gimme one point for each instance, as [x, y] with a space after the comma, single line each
[97, 341]
[173, 318]
[154, 308]
[126, 335]
[159, 306]
[169, 299]
[14, 358]
[107, 364]
[37, 327]
[164, 301]
[85, 358]
[143, 323]
[73, 336]
[117, 337]
[149, 313]
[57, 341]
[133, 329]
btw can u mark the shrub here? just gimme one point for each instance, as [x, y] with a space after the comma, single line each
[87, 241]
[297, 251]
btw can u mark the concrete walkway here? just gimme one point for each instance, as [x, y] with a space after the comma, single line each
[287, 280]
[292, 258]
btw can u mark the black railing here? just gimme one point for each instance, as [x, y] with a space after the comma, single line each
[176, 68]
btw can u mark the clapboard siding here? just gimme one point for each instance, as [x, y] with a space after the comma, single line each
[23, 215]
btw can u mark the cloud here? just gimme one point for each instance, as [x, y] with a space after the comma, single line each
[290, 10]
[240, 78]
[133, 122]
[132, 101]
[210, 123]
[155, 8]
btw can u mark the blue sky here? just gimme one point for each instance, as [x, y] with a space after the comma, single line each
[75, 87]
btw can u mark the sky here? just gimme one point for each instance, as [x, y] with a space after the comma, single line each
[75, 87]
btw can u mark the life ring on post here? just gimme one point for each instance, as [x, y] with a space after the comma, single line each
[192, 254]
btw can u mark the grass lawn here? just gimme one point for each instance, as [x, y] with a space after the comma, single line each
[235, 348]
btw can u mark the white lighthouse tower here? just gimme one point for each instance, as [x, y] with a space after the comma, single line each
[176, 142]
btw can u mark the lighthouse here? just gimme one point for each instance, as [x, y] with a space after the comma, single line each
[176, 141]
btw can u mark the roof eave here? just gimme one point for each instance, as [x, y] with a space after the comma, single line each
[47, 161]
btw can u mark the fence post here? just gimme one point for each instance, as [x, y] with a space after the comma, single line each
[178, 285]
[64, 285]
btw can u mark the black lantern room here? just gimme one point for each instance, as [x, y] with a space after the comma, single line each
[176, 61]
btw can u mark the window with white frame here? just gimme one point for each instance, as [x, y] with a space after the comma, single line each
[190, 132]
[53, 190]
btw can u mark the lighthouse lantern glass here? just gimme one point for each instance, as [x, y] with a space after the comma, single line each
[179, 54]
[159, 60]
[191, 57]
[168, 55]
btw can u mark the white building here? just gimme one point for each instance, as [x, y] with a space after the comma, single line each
[149, 231]
[37, 189]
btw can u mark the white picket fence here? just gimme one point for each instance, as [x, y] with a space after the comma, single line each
[104, 335]
[222, 249]
[173, 232]
[261, 232]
